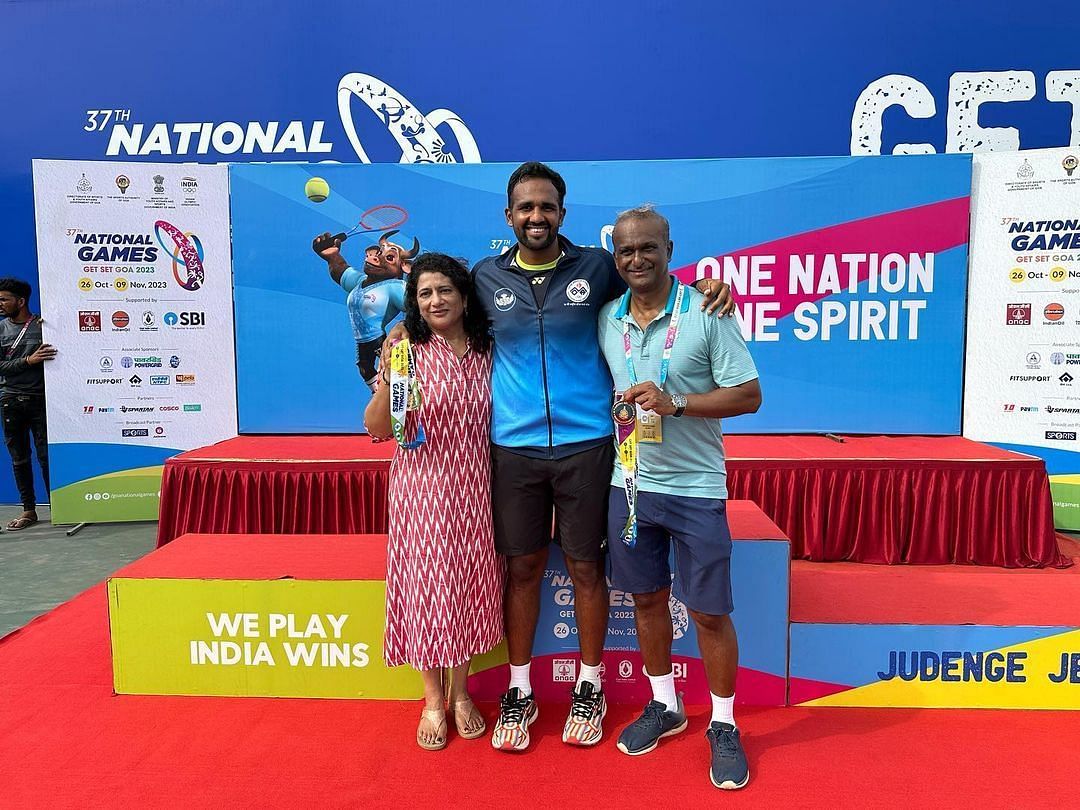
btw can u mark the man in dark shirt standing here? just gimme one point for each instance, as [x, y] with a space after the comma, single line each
[22, 393]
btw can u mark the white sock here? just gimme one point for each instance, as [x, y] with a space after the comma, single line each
[590, 674]
[723, 709]
[663, 690]
[519, 677]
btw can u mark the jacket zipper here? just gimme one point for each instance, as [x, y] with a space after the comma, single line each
[543, 371]
[543, 354]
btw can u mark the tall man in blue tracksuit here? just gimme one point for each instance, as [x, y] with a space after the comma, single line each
[551, 437]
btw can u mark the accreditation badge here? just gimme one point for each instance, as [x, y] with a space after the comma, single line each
[650, 426]
[404, 394]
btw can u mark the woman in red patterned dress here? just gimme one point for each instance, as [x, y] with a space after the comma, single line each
[444, 580]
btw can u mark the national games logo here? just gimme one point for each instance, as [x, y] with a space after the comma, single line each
[186, 253]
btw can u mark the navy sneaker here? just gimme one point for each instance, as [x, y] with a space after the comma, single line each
[729, 769]
[656, 722]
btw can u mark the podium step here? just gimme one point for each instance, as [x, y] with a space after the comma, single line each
[935, 636]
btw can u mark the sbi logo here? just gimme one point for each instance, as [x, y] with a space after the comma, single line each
[185, 319]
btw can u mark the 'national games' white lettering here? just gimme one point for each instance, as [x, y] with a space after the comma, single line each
[226, 138]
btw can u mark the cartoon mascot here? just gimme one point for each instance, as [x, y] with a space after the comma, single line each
[376, 295]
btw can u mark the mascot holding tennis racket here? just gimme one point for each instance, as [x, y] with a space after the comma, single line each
[376, 294]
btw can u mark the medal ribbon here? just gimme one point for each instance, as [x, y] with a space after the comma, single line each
[626, 423]
[18, 340]
[669, 341]
[404, 394]
[626, 447]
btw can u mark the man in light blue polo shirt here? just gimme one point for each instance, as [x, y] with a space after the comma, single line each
[677, 372]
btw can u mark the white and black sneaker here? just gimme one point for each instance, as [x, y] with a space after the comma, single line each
[517, 711]
[588, 706]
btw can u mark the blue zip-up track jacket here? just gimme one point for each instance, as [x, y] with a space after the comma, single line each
[550, 385]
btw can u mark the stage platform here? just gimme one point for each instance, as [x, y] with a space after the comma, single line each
[165, 641]
[68, 741]
[872, 499]
[934, 636]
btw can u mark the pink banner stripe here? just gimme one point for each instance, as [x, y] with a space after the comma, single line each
[924, 229]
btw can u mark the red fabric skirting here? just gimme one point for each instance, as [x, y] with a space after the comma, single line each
[885, 500]
[926, 500]
[282, 495]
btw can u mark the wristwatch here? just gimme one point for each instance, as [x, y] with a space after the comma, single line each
[679, 402]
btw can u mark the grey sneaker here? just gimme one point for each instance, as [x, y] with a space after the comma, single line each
[656, 722]
[729, 769]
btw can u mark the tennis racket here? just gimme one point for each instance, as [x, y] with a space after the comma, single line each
[374, 220]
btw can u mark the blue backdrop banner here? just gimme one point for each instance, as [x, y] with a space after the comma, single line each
[850, 275]
[606, 80]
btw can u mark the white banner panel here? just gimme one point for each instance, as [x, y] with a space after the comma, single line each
[1023, 326]
[136, 290]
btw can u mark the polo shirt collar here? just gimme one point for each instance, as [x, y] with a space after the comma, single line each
[622, 312]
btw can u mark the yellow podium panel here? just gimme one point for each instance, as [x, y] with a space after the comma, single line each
[272, 638]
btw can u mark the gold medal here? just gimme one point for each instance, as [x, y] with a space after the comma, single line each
[623, 413]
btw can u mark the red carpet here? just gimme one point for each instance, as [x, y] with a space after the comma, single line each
[877, 499]
[67, 741]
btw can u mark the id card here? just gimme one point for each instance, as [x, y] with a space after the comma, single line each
[650, 428]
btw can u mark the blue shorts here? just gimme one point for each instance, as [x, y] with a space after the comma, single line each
[698, 529]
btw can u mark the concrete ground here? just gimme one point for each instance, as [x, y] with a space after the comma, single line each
[41, 567]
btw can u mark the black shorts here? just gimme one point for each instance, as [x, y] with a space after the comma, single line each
[524, 491]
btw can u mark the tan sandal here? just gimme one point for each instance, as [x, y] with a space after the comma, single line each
[464, 711]
[21, 522]
[437, 719]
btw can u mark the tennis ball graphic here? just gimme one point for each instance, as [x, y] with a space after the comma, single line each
[317, 189]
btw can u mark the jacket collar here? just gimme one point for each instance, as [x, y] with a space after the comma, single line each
[572, 251]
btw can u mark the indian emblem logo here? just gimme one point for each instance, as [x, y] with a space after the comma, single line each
[504, 299]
